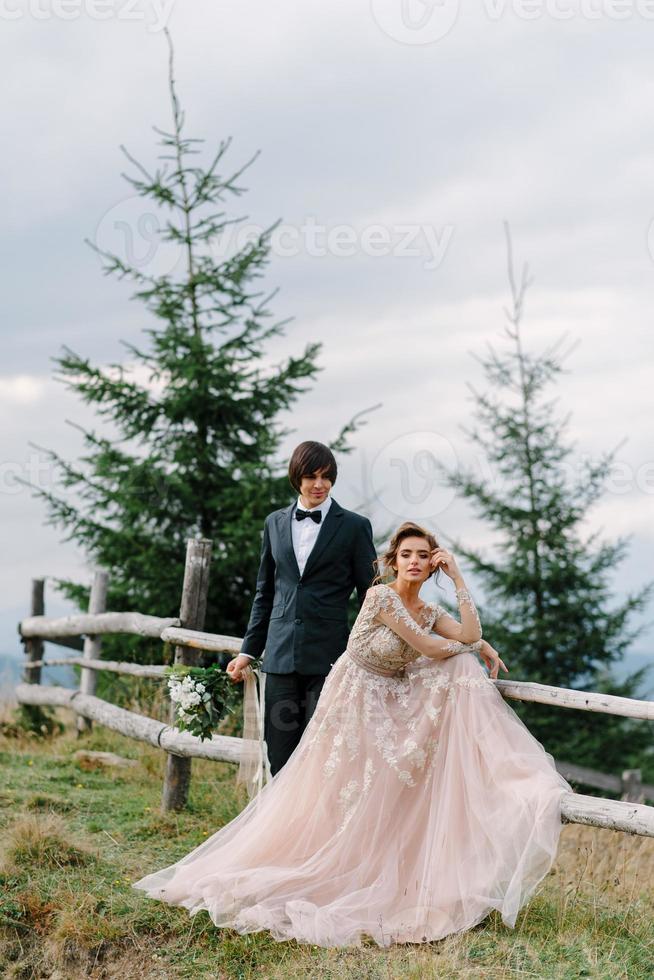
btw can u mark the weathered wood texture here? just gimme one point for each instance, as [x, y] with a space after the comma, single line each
[197, 640]
[629, 785]
[84, 624]
[632, 818]
[565, 697]
[192, 614]
[34, 645]
[113, 666]
[220, 748]
[632, 786]
[92, 644]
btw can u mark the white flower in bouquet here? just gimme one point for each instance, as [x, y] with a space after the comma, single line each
[201, 697]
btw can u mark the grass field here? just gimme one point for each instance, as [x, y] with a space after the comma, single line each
[74, 837]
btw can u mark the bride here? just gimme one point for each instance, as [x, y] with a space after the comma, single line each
[415, 802]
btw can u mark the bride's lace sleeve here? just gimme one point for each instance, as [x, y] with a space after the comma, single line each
[385, 606]
[465, 599]
[445, 625]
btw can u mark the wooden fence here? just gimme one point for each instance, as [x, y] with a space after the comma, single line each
[629, 814]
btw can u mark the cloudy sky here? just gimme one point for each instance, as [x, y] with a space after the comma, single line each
[396, 138]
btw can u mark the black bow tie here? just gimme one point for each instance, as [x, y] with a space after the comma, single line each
[315, 515]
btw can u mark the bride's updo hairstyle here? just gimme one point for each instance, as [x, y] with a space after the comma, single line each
[409, 529]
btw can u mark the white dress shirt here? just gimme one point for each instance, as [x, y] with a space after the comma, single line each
[305, 533]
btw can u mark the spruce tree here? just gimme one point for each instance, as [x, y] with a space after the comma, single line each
[548, 607]
[196, 432]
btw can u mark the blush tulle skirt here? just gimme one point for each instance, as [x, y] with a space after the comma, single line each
[411, 808]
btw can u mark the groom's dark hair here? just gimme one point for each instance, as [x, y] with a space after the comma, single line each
[307, 458]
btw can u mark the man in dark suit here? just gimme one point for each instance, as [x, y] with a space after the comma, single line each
[314, 553]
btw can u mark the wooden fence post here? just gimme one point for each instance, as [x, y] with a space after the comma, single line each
[632, 786]
[34, 645]
[192, 614]
[92, 645]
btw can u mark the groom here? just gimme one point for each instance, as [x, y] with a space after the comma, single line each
[314, 553]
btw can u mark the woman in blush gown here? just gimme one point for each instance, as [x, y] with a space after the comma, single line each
[415, 802]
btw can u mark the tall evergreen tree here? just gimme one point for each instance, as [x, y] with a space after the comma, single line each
[198, 435]
[548, 604]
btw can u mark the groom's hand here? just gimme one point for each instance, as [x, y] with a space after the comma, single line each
[236, 667]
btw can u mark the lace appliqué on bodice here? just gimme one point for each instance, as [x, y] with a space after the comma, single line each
[375, 645]
[405, 738]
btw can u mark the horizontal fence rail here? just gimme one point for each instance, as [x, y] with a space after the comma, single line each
[569, 770]
[629, 782]
[628, 814]
[155, 671]
[565, 697]
[95, 624]
[562, 697]
[632, 818]
[196, 640]
[220, 748]
[598, 780]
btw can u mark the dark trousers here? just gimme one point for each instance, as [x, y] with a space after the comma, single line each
[289, 702]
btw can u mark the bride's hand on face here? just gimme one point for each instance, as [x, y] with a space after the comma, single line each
[492, 659]
[442, 558]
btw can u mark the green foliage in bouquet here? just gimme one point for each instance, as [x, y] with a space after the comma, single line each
[202, 696]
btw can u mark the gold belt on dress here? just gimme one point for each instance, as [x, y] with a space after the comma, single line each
[375, 670]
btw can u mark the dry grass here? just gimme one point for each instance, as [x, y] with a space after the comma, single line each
[73, 840]
[607, 862]
[42, 841]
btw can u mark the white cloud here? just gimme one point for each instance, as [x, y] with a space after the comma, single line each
[22, 389]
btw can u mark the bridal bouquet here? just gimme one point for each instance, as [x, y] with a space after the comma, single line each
[202, 696]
